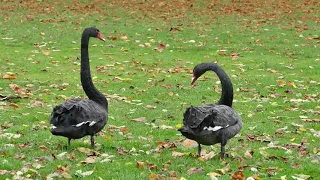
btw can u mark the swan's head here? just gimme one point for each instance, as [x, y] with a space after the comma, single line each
[94, 32]
[198, 71]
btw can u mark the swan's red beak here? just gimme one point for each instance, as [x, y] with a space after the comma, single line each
[100, 37]
[193, 80]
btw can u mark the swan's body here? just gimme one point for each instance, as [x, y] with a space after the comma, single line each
[210, 124]
[77, 118]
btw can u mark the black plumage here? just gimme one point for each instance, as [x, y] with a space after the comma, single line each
[77, 118]
[209, 124]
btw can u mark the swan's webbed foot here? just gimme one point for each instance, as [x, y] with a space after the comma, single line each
[199, 150]
[92, 141]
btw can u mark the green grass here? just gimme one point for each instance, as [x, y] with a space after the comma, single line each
[40, 45]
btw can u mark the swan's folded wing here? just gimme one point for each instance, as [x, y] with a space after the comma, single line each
[224, 117]
[77, 112]
[194, 116]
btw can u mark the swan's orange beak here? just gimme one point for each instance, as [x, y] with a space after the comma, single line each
[193, 80]
[100, 37]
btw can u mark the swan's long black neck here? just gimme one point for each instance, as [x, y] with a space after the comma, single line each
[227, 89]
[86, 80]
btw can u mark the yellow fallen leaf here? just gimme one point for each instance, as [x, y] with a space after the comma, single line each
[178, 126]
[281, 83]
[292, 84]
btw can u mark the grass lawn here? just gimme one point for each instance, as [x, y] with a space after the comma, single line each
[270, 50]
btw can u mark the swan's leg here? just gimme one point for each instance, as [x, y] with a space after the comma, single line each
[223, 150]
[92, 141]
[199, 150]
[69, 139]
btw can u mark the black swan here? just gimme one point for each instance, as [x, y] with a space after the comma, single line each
[77, 118]
[209, 124]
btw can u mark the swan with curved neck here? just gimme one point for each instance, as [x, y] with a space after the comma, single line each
[209, 124]
[77, 118]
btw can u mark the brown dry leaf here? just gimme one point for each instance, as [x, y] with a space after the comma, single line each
[248, 154]
[234, 56]
[154, 176]
[44, 148]
[160, 47]
[152, 166]
[289, 91]
[207, 156]
[295, 165]
[195, 171]
[281, 83]
[64, 169]
[89, 160]
[140, 119]
[66, 175]
[150, 107]
[37, 104]
[139, 164]
[86, 151]
[238, 176]
[46, 52]
[9, 75]
[177, 154]
[173, 174]
[188, 143]
[14, 105]
[124, 130]
[3, 172]
[122, 151]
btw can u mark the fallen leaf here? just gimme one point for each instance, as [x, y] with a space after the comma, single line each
[300, 176]
[295, 165]
[152, 166]
[207, 156]
[248, 154]
[46, 52]
[44, 148]
[14, 105]
[177, 154]
[81, 174]
[213, 175]
[188, 143]
[140, 119]
[281, 83]
[139, 164]
[173, 174]
[150, 107]
[195, 171]
[154, 176]
[9, 75]
[3, 172]
[89, 160]
[160, 47]
[238, 175]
